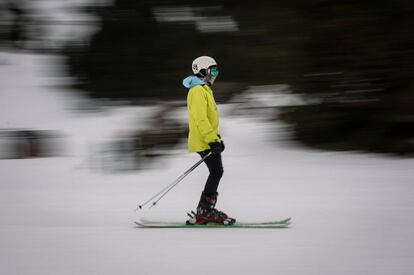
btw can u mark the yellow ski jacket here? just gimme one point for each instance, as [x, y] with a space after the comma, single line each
[203, 119]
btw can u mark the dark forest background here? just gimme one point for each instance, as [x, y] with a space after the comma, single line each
[354, 58]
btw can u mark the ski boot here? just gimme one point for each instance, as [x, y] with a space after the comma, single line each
[207, 213]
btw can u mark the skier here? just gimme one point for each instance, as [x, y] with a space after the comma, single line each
[204, 137]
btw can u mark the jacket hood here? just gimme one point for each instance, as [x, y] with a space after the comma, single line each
[191, 81]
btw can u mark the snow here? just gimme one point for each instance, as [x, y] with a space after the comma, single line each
[353, 213]
[54, 23]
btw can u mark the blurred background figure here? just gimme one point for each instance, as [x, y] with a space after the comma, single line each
[18, 22]
[137, 149]
[30, 144]
[13, 23]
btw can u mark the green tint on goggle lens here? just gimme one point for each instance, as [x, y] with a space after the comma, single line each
[214, 71]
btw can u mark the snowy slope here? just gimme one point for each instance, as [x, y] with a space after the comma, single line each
[352, 213]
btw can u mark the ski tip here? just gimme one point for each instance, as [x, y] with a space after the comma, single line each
[138, 223]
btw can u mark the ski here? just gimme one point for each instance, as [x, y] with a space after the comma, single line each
[161, 224]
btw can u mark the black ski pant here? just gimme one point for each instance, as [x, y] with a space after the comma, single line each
[215, 167]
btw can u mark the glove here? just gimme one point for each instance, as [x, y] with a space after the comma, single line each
[222, 143]
[216, 147]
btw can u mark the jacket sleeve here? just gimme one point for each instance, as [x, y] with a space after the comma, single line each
[198, 111]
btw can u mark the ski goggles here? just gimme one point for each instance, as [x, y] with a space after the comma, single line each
[214, 71]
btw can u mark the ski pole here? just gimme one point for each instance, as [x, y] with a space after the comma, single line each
[170, 186]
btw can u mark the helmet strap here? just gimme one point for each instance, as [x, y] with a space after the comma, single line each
[203, 72]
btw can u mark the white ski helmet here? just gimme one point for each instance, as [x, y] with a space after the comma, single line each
[202, 64]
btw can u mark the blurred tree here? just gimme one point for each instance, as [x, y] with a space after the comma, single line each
[358, 60]
[355, 57]
[136, 56]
